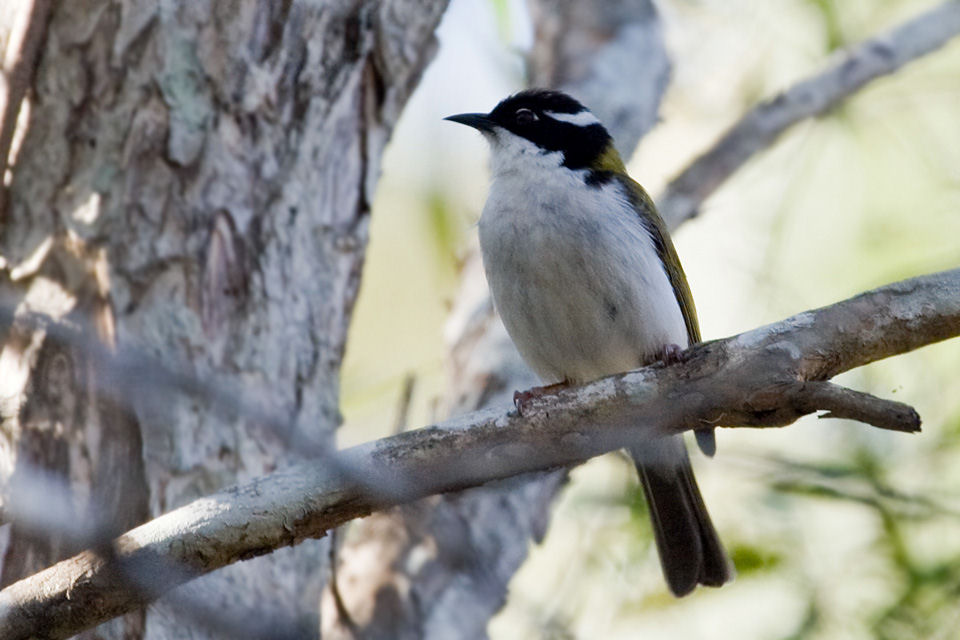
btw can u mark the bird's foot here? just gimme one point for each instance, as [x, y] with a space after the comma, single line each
[520, 398]
[672, 354]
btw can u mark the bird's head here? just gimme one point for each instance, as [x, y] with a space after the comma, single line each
[544, 128]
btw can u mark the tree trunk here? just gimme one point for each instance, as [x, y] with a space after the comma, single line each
[440, 568]
[193, 180]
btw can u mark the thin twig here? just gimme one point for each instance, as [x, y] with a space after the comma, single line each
[839, 402]
[343, 614]
[403, 405]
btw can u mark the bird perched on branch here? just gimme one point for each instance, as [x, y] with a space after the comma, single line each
[587, 282]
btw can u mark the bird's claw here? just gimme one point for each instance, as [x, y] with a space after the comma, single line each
[521, 398]
[672, 354]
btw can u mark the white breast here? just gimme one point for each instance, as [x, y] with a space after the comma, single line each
[573, 273]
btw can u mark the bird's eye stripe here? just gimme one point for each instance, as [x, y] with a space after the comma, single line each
[581, 118]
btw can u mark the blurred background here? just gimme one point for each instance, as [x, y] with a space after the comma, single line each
[837, 530]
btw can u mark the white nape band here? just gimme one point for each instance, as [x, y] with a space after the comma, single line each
[581, 118]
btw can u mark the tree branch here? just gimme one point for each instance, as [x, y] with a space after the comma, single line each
[763, 124]
[16, 73]
[766, 377]
[840, 402]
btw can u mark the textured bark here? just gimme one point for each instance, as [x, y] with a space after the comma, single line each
[440, 569]
[195, 178]
[21, 31]
[767, 377]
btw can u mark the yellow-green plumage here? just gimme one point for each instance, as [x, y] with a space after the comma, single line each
[610, 161]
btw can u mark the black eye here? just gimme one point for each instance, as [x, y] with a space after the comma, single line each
[526, 116]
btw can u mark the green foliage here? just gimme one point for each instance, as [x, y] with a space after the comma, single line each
[832, 27]
[750, 559]
[445, 230]
[502, 15]
[921, 582]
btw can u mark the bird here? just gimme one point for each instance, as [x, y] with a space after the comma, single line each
[587, 282]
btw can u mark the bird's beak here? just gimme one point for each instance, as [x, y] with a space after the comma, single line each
[478, 121]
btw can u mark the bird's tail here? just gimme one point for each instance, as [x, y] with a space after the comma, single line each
[690, 550]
